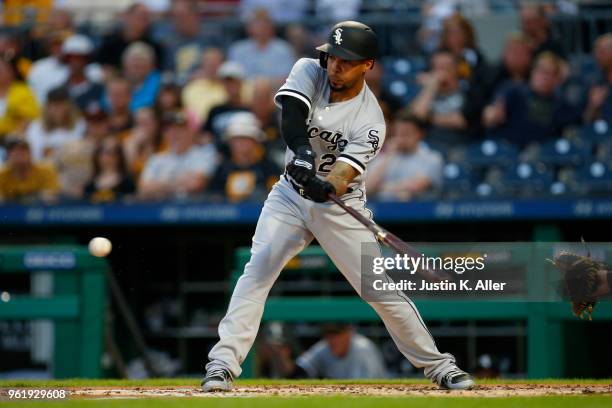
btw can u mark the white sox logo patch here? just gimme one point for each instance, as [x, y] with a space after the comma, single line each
[338, 36]
[374, 140]
[335, 140]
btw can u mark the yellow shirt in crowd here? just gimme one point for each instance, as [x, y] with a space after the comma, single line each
[20, 107]
[42, 179]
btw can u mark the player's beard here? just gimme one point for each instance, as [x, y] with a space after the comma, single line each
[338, 88]
[342, 88]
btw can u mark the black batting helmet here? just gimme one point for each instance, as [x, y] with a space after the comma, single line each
[349, 40]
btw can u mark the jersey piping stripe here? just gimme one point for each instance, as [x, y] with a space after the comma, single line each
[399, 293]
[353, 161]
[297, 94]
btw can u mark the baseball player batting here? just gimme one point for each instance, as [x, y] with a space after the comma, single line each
[333, 127]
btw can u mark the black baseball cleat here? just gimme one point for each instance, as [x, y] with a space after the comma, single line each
[456, 380]
[217, 379]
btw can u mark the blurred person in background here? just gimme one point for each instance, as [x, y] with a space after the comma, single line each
[18, 105]
[342, 353]
[599, 104]
[143, 140]
[185, 39]
[459, 37]
[184, 170]
[535, 112]
[168, 98]
[19, 12]
[536, 26]
[50, 72]
[262, 105]
[74, 159]
[205, 90]
[135, 27]
[11, 45]
[300, 40]
[118, 96]
[111, 180]
[22, 179]
[248, 174]
[262, 54]
[59, 124]
[338, 10]
[281, 11]
[435, 12]
[139, 69]
[83, 88]
[232, 75]
[59, 20]
[514, 66]
[407, 167]
[450, 106]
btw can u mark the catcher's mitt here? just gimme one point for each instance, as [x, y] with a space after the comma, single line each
[580, 281]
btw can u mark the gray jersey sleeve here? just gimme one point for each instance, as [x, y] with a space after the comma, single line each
[301, 82]
[364, 144]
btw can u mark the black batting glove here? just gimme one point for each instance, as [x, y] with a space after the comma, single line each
[319, 190]
[302, 167]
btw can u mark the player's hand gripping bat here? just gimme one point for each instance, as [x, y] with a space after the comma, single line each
[391, 240]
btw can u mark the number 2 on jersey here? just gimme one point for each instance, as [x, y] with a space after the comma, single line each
[327, 161]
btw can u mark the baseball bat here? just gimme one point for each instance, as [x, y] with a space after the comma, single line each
[391, 240]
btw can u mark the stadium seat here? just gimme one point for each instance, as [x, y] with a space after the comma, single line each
[603, 152]
[598, 131]
[459, 180]
[524, 180]
[491, 152]
[593, 179]
[405, 90]
[564, 152]
[558, 189]
[404, 66]
[485, 189]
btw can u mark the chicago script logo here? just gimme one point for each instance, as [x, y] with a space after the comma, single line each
[335, 140]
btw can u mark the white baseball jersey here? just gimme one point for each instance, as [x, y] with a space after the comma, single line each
[351, 131]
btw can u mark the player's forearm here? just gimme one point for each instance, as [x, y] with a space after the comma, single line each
[293, 122]
[341, 176]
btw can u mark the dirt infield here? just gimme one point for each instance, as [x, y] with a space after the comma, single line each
[390, 390]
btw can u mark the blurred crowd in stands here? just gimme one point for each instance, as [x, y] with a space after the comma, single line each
[162, 108]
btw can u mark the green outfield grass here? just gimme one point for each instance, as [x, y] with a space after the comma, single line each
[335, 401]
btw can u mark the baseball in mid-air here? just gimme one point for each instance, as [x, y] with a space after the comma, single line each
[100, 246]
